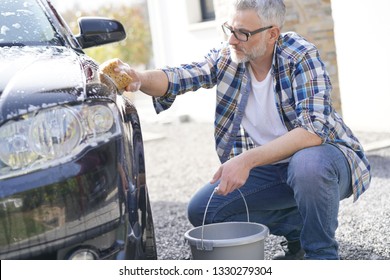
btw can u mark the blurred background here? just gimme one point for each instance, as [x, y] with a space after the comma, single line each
[136, 49]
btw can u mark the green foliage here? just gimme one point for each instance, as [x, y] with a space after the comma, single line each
[136, 49]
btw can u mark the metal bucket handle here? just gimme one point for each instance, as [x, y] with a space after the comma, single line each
[209, 247]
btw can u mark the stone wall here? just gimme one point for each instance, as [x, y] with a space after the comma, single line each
[313, 20]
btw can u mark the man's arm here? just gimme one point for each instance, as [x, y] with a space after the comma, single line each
[152, 82]
[234, 173]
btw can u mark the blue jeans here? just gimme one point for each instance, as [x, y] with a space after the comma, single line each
[298, 200]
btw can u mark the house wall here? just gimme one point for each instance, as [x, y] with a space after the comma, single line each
[179, 37]
[361, 31]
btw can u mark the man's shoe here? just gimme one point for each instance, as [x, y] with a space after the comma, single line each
[292, 251]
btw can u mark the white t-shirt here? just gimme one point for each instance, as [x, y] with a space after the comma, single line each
[261, 119]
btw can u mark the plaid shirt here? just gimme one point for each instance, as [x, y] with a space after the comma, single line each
[302, 95]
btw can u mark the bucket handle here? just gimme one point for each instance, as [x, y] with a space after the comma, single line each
[203, 247]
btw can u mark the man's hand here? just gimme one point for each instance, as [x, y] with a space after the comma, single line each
[150, 82]
[135, 84]
[232, 175]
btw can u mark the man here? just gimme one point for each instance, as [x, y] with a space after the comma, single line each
[277, 135]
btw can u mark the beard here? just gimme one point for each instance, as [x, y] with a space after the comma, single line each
[241, 55]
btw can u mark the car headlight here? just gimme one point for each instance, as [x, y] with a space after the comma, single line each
[54, 135]
[14, 145]
[100, 119]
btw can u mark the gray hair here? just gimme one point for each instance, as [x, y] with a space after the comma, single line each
[271, 12]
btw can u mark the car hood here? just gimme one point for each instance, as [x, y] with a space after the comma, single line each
[35, 77]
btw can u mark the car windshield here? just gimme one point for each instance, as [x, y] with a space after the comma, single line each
[23, 22]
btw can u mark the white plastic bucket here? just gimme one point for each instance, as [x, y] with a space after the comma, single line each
[228, 240]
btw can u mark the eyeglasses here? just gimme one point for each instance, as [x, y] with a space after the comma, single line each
[240, 35]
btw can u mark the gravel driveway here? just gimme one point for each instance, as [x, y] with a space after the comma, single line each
[180, 158]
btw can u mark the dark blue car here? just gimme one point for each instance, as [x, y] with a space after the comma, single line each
[72, 170]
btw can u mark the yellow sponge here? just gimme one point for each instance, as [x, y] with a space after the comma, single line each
[121, 79]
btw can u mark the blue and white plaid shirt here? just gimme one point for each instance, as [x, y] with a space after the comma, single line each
[302, 95]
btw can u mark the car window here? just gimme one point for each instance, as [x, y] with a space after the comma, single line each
[23, 22]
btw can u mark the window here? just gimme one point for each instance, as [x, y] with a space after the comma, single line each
[208, 12]
[200, 13]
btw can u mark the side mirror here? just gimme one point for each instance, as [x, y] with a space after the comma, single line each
[96, 31]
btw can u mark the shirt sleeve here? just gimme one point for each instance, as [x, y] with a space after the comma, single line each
[312, 89]
[187, 77]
